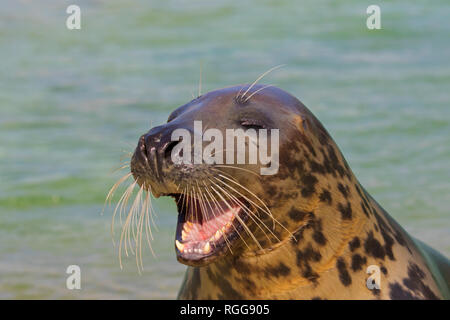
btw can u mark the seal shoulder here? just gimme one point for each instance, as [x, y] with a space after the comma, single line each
[438, 264]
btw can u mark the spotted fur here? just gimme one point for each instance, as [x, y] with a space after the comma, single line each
[336, 228]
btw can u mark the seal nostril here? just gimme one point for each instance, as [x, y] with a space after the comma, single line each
[142, 148]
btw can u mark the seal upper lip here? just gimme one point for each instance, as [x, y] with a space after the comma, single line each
[205, 229]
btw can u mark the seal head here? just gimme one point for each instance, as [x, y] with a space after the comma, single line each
[221, 207]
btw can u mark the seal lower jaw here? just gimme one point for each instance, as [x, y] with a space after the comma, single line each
[206, 230]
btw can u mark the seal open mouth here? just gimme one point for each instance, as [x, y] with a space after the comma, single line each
[206, 228]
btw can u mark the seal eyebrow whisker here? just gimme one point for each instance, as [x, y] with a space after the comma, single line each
[200, 82]
[259, 78]
[260, 89]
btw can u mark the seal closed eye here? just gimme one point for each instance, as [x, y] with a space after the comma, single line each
[309, 231]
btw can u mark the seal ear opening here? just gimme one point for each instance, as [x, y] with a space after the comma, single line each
[300, 123]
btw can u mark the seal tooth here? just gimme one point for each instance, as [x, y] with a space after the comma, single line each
[183, 235]
[206, 248]
[179, 245]
[187, 226]
[217, 235]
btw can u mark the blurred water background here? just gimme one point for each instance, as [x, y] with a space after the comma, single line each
[73, 102]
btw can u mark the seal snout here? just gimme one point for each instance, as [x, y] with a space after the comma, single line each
[152, 155]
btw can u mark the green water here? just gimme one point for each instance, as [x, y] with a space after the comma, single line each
[72, 102]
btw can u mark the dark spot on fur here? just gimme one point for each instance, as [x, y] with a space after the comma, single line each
[298, 215]
[384, 270]
[354, 244]
[415, 283]
[373, 247]
[335, 164]
[344, 276]
[346, 212]
[278, 271]
[365, 210]
[388, 243]
[308, 182]
[271, 189]
[297, 236]
[304, 257]
[227, 290]
[309, 146]
[317, 167]
[318, 235]
[249, 285]
[396, 292]
[325, 196]
[343, 190]
[242, 267]
[376, 292]
[357, 262]
[319, 238]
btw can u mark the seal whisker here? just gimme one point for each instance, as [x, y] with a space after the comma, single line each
[248, 98]
[250, 214]
[266, 210]
[124, 229]
[259, 78]
[235, 229]
[138, 241]
[239, 219]
[122, 166]
[200, 82]
[131, 224]
[218, 207]
[149, 217]
[150, 212]
[119, 207]
[113, 190]
[234, 167]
